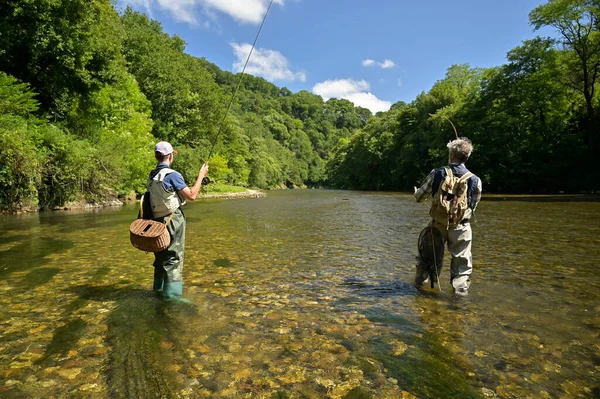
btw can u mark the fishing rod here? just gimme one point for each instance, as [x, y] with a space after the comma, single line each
[448, 119]
[239, 81]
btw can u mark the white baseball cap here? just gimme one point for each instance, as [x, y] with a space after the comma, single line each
[164, 148]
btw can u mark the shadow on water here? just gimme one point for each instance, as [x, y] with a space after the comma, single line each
[386, 289]
[102, 271]
[223, 263]
[426, 367]
[66, 337]
[103, 292]
[87, 293]
[63, 340]
[144, 334]
[9, 239]
[31, 254]
[36, 278]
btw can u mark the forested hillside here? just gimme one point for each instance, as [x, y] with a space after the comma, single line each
[534, 121]
[85, 93]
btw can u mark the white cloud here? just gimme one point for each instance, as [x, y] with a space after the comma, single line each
[245, 11]
[385, 64]
[181, 10]
[250, 11]
[270, 64]
[368, 63]
[399, 82]
[356, 91]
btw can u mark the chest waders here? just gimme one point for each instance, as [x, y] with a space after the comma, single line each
[168, 264]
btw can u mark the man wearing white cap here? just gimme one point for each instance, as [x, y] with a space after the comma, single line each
[168, 192]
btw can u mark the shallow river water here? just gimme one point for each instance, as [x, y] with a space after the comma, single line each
[302, 294]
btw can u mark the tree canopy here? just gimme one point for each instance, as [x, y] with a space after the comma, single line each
[85, 92]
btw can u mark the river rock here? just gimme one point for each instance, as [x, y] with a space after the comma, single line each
[90, 388]
[69, 374]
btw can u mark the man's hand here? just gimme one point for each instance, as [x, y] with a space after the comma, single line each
[192, 193]
[203, 171]
[415, 189]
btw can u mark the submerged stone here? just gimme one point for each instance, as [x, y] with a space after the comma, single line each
[70, 374]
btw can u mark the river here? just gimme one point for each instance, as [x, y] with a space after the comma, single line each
[303, 294]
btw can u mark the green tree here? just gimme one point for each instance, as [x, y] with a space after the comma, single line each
[187, 105]
[20, 164]
[577, 21]
[62, 48]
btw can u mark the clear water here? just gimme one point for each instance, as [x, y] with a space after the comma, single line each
[302, 294]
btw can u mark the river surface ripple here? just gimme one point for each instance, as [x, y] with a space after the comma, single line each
[303, 294]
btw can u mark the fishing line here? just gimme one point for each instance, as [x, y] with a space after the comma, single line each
[239, 81]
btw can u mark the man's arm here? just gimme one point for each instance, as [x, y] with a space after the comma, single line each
[191, 193]
[476, 197]
[424, 192]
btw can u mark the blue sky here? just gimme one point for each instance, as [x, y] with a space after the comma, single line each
[374, 53]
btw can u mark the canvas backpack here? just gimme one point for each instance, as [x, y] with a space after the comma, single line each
[450, 202]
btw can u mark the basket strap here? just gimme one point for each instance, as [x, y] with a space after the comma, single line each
[169, 219]
[142, 207]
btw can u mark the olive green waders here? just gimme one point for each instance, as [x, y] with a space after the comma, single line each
[168, 264]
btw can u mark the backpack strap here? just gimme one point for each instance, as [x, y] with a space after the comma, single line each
[465, 177]
[448, 172]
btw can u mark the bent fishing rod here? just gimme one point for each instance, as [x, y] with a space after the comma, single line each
[448, 119]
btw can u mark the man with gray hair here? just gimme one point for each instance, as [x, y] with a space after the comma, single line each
[455, 194]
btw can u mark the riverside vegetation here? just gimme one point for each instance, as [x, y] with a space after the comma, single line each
[86, 90]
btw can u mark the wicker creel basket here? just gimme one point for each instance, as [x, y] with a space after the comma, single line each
[149, 235]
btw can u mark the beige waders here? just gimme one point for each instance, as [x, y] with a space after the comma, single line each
[458, 241]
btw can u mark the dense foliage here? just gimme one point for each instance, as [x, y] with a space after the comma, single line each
[86, 92]
[534, 121]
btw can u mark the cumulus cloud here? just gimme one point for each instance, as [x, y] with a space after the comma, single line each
[270, 64]
[385, 64]
[356, 91]
[245, 11]
[249, 11]
[368, 63]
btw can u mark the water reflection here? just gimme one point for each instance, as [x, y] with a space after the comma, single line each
[302, 294]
